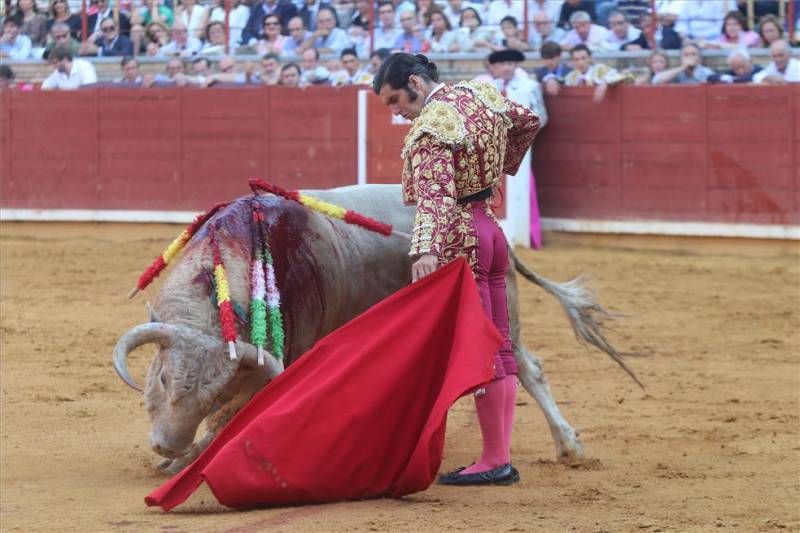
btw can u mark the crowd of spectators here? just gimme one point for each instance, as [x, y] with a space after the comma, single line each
[292, 35]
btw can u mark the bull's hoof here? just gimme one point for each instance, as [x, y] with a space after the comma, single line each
[569, 448]
[170, 467]
[164, 465]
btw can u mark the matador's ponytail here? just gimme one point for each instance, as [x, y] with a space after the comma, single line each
[400, 66]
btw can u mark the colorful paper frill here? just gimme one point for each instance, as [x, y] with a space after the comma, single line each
[265, 314]
[326, 208]
[227, 317]
[173, 250]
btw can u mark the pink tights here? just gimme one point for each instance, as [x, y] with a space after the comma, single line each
[495, 407]
[496, 418]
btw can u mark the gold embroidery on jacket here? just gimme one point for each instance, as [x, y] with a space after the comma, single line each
[439, 120]
[486, 93]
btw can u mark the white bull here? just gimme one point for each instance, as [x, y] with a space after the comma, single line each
[328, 272]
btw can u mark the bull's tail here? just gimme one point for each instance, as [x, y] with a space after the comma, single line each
[585, 314]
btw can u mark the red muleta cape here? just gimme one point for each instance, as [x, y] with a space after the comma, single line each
[360, 415]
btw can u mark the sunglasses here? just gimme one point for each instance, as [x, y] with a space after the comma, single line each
[108, 29]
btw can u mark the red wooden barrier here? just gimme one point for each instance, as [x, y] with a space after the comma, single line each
[707, 153]
[703, 153]
[384, 144]
[5, 136]
[171, 149]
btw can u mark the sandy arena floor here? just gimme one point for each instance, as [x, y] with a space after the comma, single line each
[712, 443]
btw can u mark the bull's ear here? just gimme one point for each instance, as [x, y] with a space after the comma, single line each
[151, 314]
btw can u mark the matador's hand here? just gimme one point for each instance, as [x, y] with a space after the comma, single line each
[423, 266]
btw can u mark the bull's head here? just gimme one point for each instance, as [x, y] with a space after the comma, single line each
[185, 381]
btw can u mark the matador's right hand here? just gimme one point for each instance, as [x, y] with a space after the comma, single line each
[424, 266]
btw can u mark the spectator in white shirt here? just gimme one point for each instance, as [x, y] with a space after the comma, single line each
[500, 9]
[440, 34]
[193, 15]
[453, 11]
[621, 30]
[237, 19]
[13, 44]
[701, 20]
[473, 35]
[182, 44]
[298, 34]
[215, 39]
[328, 38]
[552, 8]
[70, 73]
[783, 69]
[545, 30]
[584, 32]
[402, 5]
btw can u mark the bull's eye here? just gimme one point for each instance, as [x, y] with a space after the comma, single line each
[163, 379]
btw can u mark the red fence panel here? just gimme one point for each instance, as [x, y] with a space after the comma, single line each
[796, 147]
[578, 166]
[53, 151]
[170, 149]
[5, 141]
[223, 142]
[703, 153]
[750, 154]
[663, 155]
[313, 137]
[385, 136]
[139, 141]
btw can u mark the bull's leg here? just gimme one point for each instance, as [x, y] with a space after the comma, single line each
[568, 444]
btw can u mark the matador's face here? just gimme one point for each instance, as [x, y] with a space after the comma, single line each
[406, 101]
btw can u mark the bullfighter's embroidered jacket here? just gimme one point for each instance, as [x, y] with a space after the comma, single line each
[465, 138]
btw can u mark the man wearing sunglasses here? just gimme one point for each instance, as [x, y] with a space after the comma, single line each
[103, 12]
[110, 43]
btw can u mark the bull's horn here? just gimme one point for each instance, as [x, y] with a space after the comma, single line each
[159, 333]
[249, 356]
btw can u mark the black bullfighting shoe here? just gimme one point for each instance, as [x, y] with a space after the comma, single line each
[502, 475]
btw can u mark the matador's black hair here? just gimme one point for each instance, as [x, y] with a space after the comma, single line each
[399, 67]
